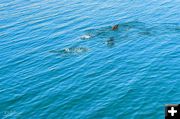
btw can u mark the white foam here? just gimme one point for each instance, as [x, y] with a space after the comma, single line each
[85, 37]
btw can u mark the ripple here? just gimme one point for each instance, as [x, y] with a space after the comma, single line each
[142, 62]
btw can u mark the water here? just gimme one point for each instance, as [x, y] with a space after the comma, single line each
[48, 72]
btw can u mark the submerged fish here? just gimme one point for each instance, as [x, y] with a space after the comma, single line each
[145, 33]
[110, 42]
[71, 50]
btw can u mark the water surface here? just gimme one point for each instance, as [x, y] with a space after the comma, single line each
[47, 71]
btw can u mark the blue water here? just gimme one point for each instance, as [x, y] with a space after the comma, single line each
[48, 72]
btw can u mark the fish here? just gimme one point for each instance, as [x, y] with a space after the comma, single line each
[110, 42]
[70, 50]
[115, 27]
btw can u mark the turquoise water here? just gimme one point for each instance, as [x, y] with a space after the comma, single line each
[47, 71]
